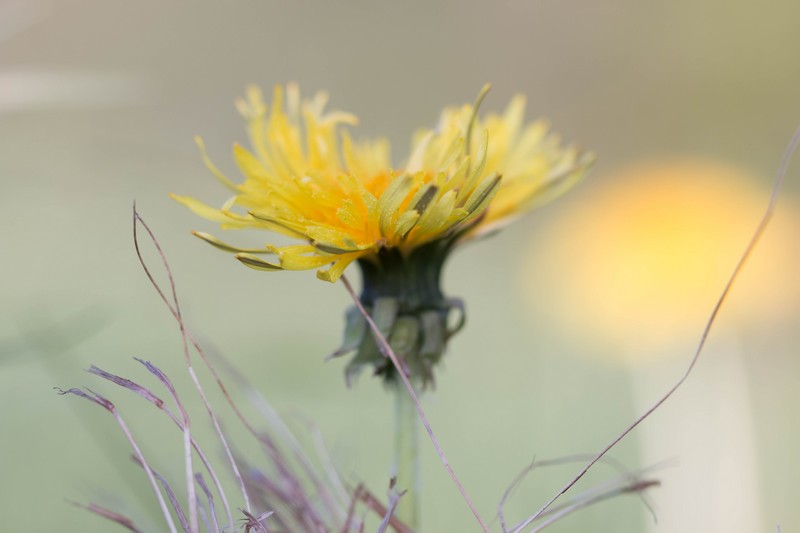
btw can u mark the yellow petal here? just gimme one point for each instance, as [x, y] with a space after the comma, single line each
[349, 214]
[305, 262]
[405, 223]
[485, 189]
[480, 199]
[284, 227]
[213, 241]
[335, 272]
[476, 173]
[227, 219]
[336, 238]
[256, 262]
[212, 167]
[249, 164]
[390, 201]
[436, 216]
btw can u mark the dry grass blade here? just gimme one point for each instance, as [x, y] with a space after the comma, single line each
[759, 231]
[294, 508]
[394, 499]
[351, 509]
[176, 506]
[255, 523]
[614, 487]
[192, 496]
[174, 308]
[292, 474]
[627, 475]
[375, 505]
[159, 403]
[132, 386]
[515, 483]
[212, 526]
[587, 501]
[122, 520]
[269, 494]
[387, 351]
[108, 406]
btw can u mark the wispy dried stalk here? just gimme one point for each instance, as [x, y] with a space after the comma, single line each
[108, 514]
[159, 403]
[627, 478]
[754, 240]
[174, 307]
[394, 499]
[294, 495]
[212, 523]
[111, 408]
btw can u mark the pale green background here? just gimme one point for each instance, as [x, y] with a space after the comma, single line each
[128, 84]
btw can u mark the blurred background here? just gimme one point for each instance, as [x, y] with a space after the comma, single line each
[580, 316]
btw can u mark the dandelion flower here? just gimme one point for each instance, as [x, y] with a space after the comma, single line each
[307, 179]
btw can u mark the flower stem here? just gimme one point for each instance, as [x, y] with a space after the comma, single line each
[406, 434]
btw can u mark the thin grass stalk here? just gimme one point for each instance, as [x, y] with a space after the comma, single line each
[186, 337]
[108, 514]
[228, 453]
[406, 434]
[185, 416]
[632, 477]
[351, 509]
[111, 408]
[394, 500]
[149, 471]
[173, 499]
[378, 508]
[591, 498]
[191, 492]
[159, 404]
[751, 245]
[212, 524]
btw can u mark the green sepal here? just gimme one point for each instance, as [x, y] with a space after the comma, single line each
[354, 330]
[383, 313]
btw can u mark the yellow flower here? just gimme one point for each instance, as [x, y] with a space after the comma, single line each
[307, 179]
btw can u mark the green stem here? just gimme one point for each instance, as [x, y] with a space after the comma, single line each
[406, 434]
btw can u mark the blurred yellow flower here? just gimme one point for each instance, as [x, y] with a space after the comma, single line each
[644, 259]
[306, 178]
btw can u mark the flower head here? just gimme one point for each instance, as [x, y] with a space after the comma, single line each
[307, 179]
